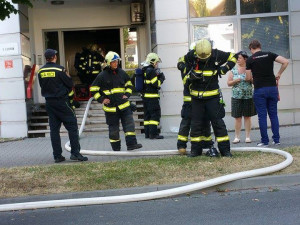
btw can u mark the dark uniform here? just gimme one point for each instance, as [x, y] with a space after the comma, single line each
[207, 101]
[56, 86]
[113, 85]
[185, 124]
[88, 65]
[153, 79]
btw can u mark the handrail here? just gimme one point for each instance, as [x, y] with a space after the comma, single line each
[30, 83]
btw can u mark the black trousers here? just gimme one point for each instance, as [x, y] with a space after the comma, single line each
[152, 114]
[113, 122]
[185, 127]
[60, 111]
[209, 110]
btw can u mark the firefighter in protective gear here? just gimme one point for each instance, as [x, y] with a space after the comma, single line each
[56, 85]
[112, 88]
[153, 79]
[206, 67]
[185, 124]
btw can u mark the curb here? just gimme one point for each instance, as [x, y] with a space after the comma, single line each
[242, 184]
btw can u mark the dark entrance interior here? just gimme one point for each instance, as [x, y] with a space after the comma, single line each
[103, 40]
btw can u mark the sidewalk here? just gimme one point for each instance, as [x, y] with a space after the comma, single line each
[38, 151]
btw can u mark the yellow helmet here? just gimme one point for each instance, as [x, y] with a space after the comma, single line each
[203, 49]
[111, 56]
[152, 58]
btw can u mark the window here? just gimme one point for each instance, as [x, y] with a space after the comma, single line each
[130, 44]
[51, 41]
[263, 6]
[272, 32]
[205, 8]
[222, 35]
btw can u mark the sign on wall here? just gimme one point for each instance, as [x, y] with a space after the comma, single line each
[9, 49]
[8, 64]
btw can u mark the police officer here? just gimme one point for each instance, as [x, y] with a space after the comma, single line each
[185, 124]
[56, 85]
[207, 66]
[112, 88]
[153, 79]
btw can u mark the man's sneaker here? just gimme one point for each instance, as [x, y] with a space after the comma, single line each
[275, 143]
[212, 152]
[133, 147]
[78, 157]
[60, 159]
[262, 145]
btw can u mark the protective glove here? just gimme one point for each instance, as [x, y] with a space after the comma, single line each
[133, 107]
[161, 77]
[181, 66]
[222, 70]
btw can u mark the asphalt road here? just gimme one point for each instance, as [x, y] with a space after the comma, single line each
[255, 207]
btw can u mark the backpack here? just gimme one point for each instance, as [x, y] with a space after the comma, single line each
[139, 80]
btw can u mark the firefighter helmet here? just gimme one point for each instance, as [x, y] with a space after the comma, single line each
[111, 56]
[203, 49]
[152, 58]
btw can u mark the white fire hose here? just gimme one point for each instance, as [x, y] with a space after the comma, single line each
[156, 194]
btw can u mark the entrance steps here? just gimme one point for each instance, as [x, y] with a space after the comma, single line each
[38, 124]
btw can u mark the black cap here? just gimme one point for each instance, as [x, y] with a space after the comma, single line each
[50, 53]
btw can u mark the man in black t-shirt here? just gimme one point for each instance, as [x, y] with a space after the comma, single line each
[259, 67]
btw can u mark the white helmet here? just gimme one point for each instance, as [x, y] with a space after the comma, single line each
[111, 56]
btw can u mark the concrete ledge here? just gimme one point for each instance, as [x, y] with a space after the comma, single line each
[249, 183]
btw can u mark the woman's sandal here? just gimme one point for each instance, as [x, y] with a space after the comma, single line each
[248, 140]
[236, 140]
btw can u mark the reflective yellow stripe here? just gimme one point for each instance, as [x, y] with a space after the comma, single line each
[204, 93]
[181, 59]
[147, 81]
[50, 68]
[124, 105]
[95, 72]
[95, 62]
[221, 139]
[129, 90]
[94, 88]
[97, 95]
[71, 93]
[182, 138]
[114, 91]
[109, 109]
[185, 78]
[231, 58]
[128, 83]
[129, 133]
[206, 73]
[146, 123]
[159, 83]
[147, 95]
[112, 141]
[201, 138]
[153, 122]
[153, 80]
[187, 98]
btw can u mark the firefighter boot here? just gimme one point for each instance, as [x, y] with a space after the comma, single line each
[133, 147]
[116, 146]
[212, 152]
[182, 151]
[195, 152]
[156, 136]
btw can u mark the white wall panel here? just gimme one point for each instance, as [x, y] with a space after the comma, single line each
[167, 10]
[295, 17]
[295, 46]
[171, 32]
[296, 69]
[12, 89]
[14, 72]
[11, 25]
[286, 99]
[294, 5]
[296, 95]
[170, 54]
[13, 129]
[170, 124]
[13, 111]
[173, 80]
[171, 103]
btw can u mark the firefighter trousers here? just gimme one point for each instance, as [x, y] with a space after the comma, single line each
[113, 122]
[60, 111]
[185, 127]
[152, 114]
[209, 110]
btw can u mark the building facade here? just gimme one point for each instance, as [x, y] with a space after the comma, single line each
[167, 28]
